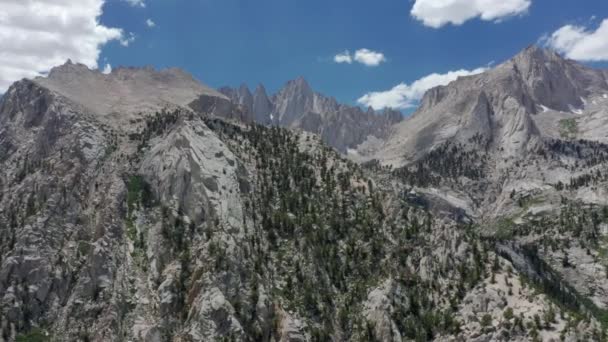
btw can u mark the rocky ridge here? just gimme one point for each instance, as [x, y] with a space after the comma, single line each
[298, 106]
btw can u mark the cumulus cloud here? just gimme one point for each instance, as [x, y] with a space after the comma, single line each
[150, 23]
[437, 13]
[343, 57]
[369, 57]
[136, 3]
[404, 96]
[36, 35]
[364, 56]
[581, 43]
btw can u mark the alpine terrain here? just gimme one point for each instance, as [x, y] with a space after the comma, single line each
[143, 205]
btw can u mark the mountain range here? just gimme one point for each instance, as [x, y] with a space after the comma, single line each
[143, 205]
[297, 106]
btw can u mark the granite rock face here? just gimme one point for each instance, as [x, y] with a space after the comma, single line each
[298, 106]
[512, 106]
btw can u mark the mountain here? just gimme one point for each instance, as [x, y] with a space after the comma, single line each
[145, 206]
[261, 106]
[297, 106]
[182, 225]
[512, 105]
[125, 90]
[521, 150]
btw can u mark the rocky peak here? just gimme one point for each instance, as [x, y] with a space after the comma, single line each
[551, 80]
[297, 105]
[260, 90]
[299, 84]
[535, 54]
[245, 96]
[292, 101]
[298, 87]
[244, 91]
[262, 107]
[501, 105]
[69, 70]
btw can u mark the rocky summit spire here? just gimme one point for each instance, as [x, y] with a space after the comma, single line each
[262, 107]
[293, 100]
[245, 97]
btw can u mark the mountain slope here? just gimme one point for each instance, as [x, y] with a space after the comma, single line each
[512, 106]
[178, 226]
[533, 178]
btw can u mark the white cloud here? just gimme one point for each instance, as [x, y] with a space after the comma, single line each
[127, 40]
[343, 57]
[404, 96]
[580, 43]
[36, 35]
[369, 57]
[150, 23]
[136, 3]
[437, 13]
[107, 69]
[364, 56]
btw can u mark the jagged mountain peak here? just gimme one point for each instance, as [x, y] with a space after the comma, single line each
[297, 105]
[536, 53]
[299, 85]
[260, 89]
[538, 62]
[300, 80]
[68, 70]
[244, 88]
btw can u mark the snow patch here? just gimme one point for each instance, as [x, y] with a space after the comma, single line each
[352, 152]
[544, 108]
[575, 110]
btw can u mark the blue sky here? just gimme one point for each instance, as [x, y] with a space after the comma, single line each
[228, 42]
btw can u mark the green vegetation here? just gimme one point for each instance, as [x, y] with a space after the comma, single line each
[138, 193]
[323, 238]
[505, 228]
[561, 293]
[34, 335]
[486, 321]
[156, 125]
[568, 128]
[446, 163]
[588, 153]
